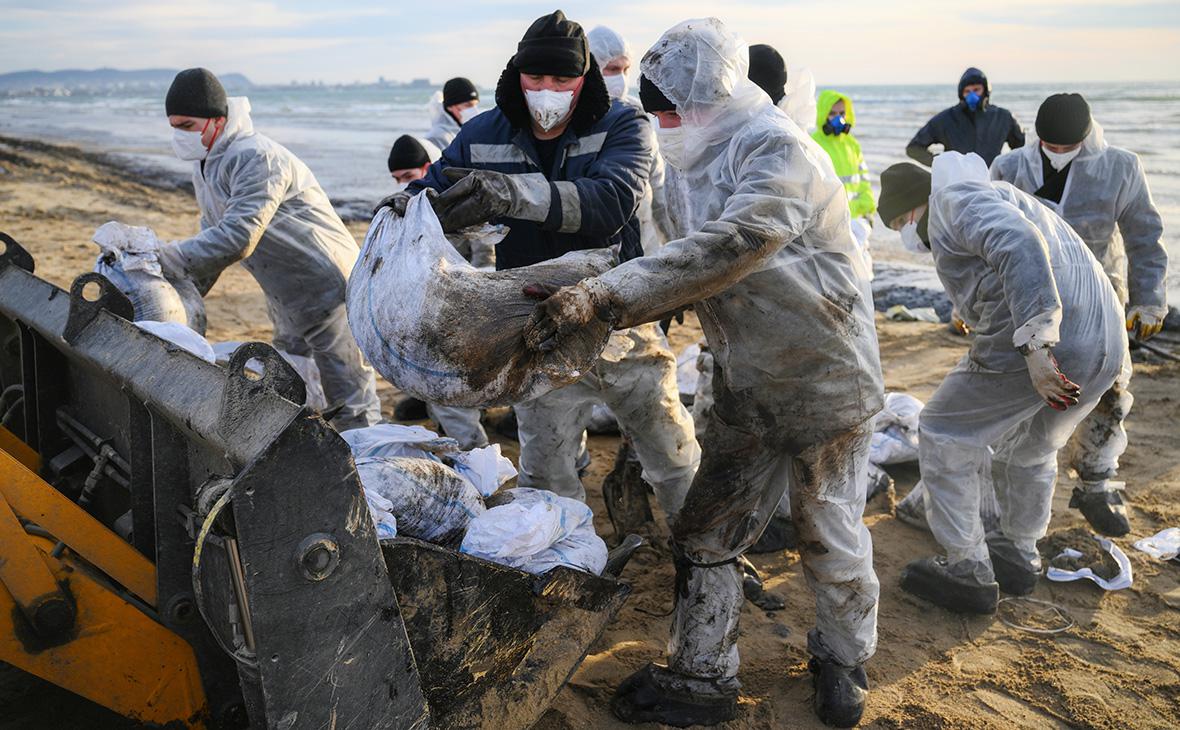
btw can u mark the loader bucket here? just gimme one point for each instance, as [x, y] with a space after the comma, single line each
[493, 644]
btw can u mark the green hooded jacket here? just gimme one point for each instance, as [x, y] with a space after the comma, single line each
[845, 153]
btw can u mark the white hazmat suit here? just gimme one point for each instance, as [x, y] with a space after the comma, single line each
[262, 206]
[784, 301]
[1017, 274]
[1107, 202]
[443, 126]
[654, 227]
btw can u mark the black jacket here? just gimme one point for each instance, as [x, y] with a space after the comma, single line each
[983, 131]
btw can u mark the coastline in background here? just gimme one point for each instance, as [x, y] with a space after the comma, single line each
[343, 133]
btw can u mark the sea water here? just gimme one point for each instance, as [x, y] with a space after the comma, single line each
[344, 133]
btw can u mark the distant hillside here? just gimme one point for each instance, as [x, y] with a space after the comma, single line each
[100, 80]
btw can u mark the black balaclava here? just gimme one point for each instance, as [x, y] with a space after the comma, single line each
[1063, 119]
[196, 92]
[553, 46]
[904, 186]
[975, 76]
[769, 71]
[407, 154]
[652, 98]
[458, 91]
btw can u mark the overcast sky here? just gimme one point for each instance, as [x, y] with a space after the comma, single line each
[841, 41]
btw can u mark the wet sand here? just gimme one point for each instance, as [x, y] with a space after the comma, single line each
[1119, 666]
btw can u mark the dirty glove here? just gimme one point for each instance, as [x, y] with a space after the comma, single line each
[564, 310]
[1058, 391]
[1143, 323]
[399, 200]
[479, 196]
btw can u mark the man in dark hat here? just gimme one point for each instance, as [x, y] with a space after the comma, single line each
[565, 169]
[260, 205]
[450, 109]
[1049, 341]
[410, 158]
[972, 125]
[1102, 192]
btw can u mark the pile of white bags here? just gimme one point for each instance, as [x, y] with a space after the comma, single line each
[129, 261]
[427, 499]
[535, 532]
[444, 332]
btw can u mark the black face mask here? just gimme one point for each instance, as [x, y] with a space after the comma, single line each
[923, 223]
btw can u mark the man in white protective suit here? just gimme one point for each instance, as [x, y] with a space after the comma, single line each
[260, 205]
[1049, 341]
[1101, 191]
[772, 270]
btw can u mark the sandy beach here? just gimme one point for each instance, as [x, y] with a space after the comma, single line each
[1117, 667]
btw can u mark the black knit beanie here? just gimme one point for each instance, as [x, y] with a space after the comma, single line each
[553, 46]
[904, 186]
[1063, 119]
[407, 153]
[653, 99]
[459, 90]
[769, 71]
[196, 92]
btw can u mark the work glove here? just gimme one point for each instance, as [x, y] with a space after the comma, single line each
[1143, 323]
[1058, 391]
[399, 200]
[479, 196]
[563, 310]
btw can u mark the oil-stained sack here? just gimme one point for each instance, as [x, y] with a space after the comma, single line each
[444, 332]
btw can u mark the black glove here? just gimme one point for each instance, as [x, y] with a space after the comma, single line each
[398, 202]
[478, 196]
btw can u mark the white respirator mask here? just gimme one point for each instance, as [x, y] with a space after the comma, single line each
[188, 145]
[616, 85]
[911, 240]
[1060, 159]
[548, 108]
[671, 141]
[466, 115]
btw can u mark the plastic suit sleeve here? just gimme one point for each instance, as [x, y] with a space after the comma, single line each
[257, 187]
[1147, 259]
[919, 147]
[984, 225]
[603, 200]
[766, 210]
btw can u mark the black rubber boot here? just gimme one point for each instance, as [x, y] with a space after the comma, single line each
[1015, 574]
[1105, 511]
[931, 579]
[410, 409]
[656, 694]
[754, 591]
[779, 535]
[840, 692]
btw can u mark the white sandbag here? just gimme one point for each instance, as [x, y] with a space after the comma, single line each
[446, 333]
[486, 468]
[895, 437]
[1123, 579]
[535, 532]
[429, 500]
[306, 367]
[180, 335]
[1163, 545]
[129, 260]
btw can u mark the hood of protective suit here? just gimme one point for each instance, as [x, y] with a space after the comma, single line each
[827, 100]
[701, 67]
[606, 45]
[952, 167]
[442, 124]
[237, 124]
[799, 102]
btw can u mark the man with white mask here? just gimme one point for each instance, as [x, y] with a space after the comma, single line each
[564, 168]
[1048, 343]
[783, 297]
[260, 205]
[452, 107]
[1102, 192]
[613, 54]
